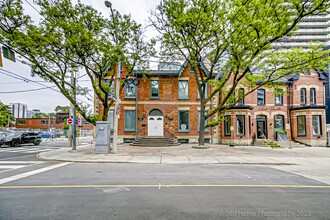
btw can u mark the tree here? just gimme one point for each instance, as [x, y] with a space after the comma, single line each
[233, 38]
[70, 37]
[44, 115]
[62, 108]
[6, 118]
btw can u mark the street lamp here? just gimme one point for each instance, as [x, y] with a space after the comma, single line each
[117, 100]
[108, 4]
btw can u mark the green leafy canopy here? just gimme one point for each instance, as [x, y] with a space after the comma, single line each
[234, 38]
[6, 118]
[71, 37]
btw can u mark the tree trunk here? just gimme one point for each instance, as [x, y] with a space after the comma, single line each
[105, 114]
[201, 139]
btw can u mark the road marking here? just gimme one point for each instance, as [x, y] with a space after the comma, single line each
[20, 162]
[167, 186]
[11, 166]
[26, 150]
[30, 173]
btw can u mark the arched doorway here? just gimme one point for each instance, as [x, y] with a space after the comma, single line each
[261, 126]
[155, 123]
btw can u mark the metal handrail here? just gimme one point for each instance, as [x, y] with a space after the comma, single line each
[169, 134]
[264, 138]
[143, 132]
[279, 136]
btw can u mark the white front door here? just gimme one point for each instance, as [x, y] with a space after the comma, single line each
[155, 126]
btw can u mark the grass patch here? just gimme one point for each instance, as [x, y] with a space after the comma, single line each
[273, 145]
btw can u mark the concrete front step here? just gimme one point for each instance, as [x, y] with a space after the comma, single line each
[155, 142]
[154, 145]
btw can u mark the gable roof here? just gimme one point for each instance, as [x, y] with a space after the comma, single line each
[176, 73]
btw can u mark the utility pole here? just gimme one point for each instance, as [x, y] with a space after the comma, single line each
[48, 122]
[70, 116]
[74, 123]
[136, 106]
[117, 99]
[72, 128]
[117, 110]
[8, 121]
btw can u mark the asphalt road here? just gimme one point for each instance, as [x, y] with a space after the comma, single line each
[140, 191]
[29, 151]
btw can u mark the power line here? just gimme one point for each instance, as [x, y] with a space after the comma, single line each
[16, 76]
[29, 90]
[11, 83]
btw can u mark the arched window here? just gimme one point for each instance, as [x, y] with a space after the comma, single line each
[155, 112]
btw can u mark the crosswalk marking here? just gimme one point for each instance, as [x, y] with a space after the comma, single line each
[30, 173]
[26, 149]
[20, 162]
[12, 165]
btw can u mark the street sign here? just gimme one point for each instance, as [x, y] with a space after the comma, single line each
[287, 126]
[70, 121]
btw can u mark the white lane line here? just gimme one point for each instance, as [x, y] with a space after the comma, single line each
[11, 166]
[15, 150]
[20, 162]
[30, 173]
[28, 150]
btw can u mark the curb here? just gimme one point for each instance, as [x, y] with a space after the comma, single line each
[135, 162]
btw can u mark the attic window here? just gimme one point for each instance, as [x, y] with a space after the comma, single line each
[192, 69]
[306, 72]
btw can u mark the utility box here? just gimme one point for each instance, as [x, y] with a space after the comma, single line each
[102, 140]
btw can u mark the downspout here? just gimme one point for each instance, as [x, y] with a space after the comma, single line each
[289, 112]
[136, 106]
[211, 107]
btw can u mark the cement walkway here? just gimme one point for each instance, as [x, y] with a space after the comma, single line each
[186, 154]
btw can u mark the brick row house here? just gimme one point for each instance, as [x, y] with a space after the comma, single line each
[167, 104]
[299, 111]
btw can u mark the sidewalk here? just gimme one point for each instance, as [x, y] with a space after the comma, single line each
[186, 154]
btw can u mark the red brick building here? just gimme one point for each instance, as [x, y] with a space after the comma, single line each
[299, 111]
[167, 104]
[46, 124]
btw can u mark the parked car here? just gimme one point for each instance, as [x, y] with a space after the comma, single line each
[14, 139]
[47, 135]
[58, 134]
